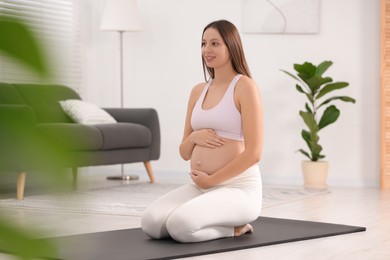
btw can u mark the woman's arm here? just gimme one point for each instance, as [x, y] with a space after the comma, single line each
[187, 145]
[248, 96]
[203, 137]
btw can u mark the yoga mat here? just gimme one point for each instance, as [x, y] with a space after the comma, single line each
[133, 244]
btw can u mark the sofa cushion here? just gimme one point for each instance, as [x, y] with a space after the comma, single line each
[86, 113]
[44, 101]
[96, 137]
[124, 135]
[72, 136]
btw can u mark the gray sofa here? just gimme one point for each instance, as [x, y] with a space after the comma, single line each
[35, 133]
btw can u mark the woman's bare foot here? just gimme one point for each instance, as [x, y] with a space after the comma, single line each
[241, 230]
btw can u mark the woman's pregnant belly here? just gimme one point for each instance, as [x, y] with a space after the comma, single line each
[210, 160]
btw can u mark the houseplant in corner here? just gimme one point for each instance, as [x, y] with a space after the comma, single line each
[315, 87]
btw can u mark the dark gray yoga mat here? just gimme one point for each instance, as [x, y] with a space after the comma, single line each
[133, 244]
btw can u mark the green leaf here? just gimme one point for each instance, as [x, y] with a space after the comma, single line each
[305, 153]
[330, 115]
[306, 70]
[322, 67]
[309, 120]
[347, 99]
[311, 140]
[316, 82]
[308, 109]
[318, 157]
[307, 137]
[292, 75]
[310, 98]
[316, 150]
[300, 89]
[342, 98]
[18, 42]
[330, 87]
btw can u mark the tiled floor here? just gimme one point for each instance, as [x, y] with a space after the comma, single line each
[352, 206]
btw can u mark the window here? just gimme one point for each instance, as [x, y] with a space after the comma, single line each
[57, 27]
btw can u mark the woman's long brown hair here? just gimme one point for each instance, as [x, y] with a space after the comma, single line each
[232, 40]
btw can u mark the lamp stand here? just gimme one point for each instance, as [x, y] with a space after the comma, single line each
[123, 177]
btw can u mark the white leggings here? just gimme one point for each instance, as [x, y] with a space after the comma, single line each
[192, 214]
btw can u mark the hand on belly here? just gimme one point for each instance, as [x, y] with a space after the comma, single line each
[201, 179]
[207, 138]
[198, 166]
[210, 160]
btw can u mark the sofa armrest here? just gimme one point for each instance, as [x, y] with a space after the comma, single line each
[17, 130]
[144, 116]
[21, 148]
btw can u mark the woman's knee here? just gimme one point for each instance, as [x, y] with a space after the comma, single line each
[153, 225]
[180, 228]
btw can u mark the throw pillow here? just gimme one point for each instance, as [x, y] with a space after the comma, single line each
[85, 113]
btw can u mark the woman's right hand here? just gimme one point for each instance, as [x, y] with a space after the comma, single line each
[207, 138]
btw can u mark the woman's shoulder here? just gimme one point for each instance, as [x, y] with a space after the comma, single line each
[245, 83]
[196, 92]
[198, 88]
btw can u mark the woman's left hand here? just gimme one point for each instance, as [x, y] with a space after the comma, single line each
[201, 179]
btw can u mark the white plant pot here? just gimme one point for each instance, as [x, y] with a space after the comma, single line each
[315, 174]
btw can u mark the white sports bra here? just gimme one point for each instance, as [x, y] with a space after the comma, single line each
[224, 118]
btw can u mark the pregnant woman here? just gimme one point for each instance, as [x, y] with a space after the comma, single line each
[223, 138]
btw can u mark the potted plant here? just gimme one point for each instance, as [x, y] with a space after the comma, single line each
[315, 87]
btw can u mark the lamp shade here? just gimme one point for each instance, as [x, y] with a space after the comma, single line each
[121, 15]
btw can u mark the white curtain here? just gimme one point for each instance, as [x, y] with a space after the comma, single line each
[58, 27]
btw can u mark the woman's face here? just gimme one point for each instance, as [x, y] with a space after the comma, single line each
[214, 51]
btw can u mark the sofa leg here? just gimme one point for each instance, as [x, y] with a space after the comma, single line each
[148, 167]
[74, 175]
[20, 185]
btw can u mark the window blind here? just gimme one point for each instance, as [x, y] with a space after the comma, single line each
[57, 26]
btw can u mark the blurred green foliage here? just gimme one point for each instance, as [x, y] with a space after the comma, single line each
[23, 243]
[19, 43]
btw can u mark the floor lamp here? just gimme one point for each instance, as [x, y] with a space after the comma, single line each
[121, 16]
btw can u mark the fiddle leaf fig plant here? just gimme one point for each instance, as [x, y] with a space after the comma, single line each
[316, 88]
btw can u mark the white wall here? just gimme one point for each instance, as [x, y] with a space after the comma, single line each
[163, 63]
